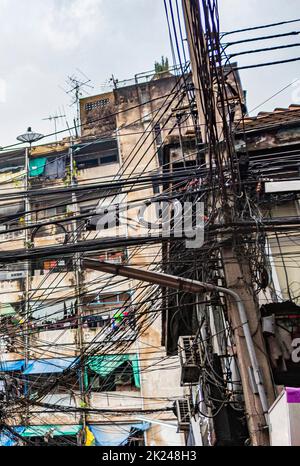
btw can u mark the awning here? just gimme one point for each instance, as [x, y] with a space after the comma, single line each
[104, 365]
[6, 310]
[115, 434]
[56, 430]
[11, 365]
[48, 366]
[7, 439]
[37, 166]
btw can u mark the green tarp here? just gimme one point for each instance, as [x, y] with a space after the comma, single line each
[104, 365]
[37, 166]
[6, 310]
[37, 431]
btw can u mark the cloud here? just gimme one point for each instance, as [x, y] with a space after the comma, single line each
[42, 42]
[69, 22]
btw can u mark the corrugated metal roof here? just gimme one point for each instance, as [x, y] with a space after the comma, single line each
[279, 116]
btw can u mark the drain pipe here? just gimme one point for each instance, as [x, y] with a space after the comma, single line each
[189, 286]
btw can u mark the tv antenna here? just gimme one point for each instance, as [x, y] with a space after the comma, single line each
[76, 87]
[54, 118]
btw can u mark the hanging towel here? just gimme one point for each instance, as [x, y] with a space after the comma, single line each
[37, 166]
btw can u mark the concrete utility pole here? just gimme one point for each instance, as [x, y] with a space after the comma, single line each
[27, 221]
[29, 138]
[196, 287]
[78, 285]
[237, 275]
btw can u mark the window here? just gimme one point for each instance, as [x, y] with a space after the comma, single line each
[51, 312]
[112, 319]
[96, 159]
[52, 265]
[6, 227]
[114, 257]
[58, 441]
[182, 165]
[135, 439]
[12, 162]
[108, 218]
[106, 212]
[96, 104]
[157, 134]
[11, 211]
[106, 310]
[12, 386]
[106, 298]
[96, 321]
[156, 185]
[48, 212]
[60, 384]
[120, 379]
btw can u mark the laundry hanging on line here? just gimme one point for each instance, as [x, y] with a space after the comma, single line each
[55, 169]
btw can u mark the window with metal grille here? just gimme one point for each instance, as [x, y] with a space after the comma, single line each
[57, 440]
[105, 298]
[135, 439]
[121, 379]
[96, 104]
[95, 160]
[62, 384]
[52, 265]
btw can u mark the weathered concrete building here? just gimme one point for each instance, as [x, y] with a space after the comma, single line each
[54, 312]
[267, 146]
[107, 348]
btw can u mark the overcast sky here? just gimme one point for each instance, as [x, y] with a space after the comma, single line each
[42, 42]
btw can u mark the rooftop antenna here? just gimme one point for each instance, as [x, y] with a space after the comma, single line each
[66, 121]
[77, 88]
[54, 118]
[114, 81]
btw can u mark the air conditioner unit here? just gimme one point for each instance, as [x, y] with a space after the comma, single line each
[190, 359]
[183, 413]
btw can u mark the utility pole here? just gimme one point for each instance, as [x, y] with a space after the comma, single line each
[29, 138]
[195, 287]
[78, 279]
[237, 274]
[27, 221]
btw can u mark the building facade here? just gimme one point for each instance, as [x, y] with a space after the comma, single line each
[82, 351]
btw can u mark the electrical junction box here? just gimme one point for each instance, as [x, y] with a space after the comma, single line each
[284, 418]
